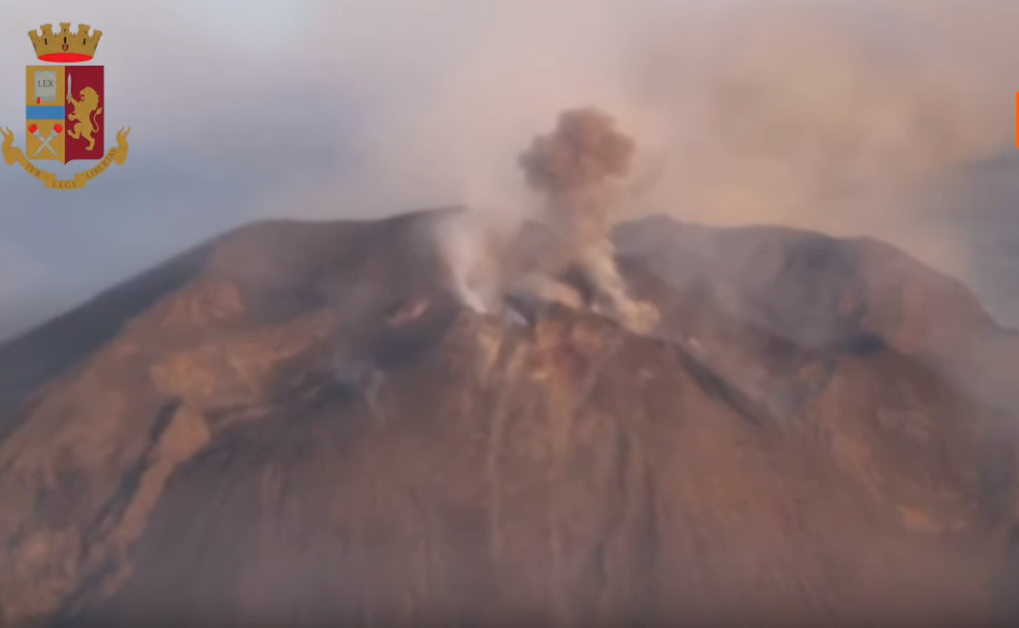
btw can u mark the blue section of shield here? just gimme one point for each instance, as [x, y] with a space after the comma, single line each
[45, 112]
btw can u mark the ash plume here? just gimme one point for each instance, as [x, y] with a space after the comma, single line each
[578, 169]
[584, 152]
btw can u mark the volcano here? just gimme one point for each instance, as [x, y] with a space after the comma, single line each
[303, 424]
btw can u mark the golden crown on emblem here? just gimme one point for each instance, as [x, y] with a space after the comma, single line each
[65, 46]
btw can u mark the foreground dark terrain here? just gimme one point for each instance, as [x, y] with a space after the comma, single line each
[821, 432]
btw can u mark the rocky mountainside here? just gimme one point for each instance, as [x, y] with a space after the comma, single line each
[300, 423]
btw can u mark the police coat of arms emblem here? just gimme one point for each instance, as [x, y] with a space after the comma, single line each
[65, 109]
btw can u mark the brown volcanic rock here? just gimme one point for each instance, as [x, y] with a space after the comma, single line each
[307, 426]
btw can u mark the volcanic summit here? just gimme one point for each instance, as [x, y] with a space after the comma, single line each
[309, 424]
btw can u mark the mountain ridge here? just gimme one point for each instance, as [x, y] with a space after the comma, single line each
[312, 426]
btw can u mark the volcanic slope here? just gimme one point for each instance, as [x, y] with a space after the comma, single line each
[300, 423]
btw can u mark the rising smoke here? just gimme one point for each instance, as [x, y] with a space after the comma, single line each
[578, 168]
[563, 252]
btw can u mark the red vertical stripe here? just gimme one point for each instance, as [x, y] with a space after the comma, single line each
[80, 78]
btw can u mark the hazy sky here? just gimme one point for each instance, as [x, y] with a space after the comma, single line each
[246, 108]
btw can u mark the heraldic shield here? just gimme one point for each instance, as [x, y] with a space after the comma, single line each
[65, 110]
[65, 118]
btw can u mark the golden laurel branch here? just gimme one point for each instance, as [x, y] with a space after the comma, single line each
[116, 155]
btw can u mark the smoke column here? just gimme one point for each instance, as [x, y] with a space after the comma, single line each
[575, 167]
[578, 169]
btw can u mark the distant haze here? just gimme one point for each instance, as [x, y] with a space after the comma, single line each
[848, 117]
